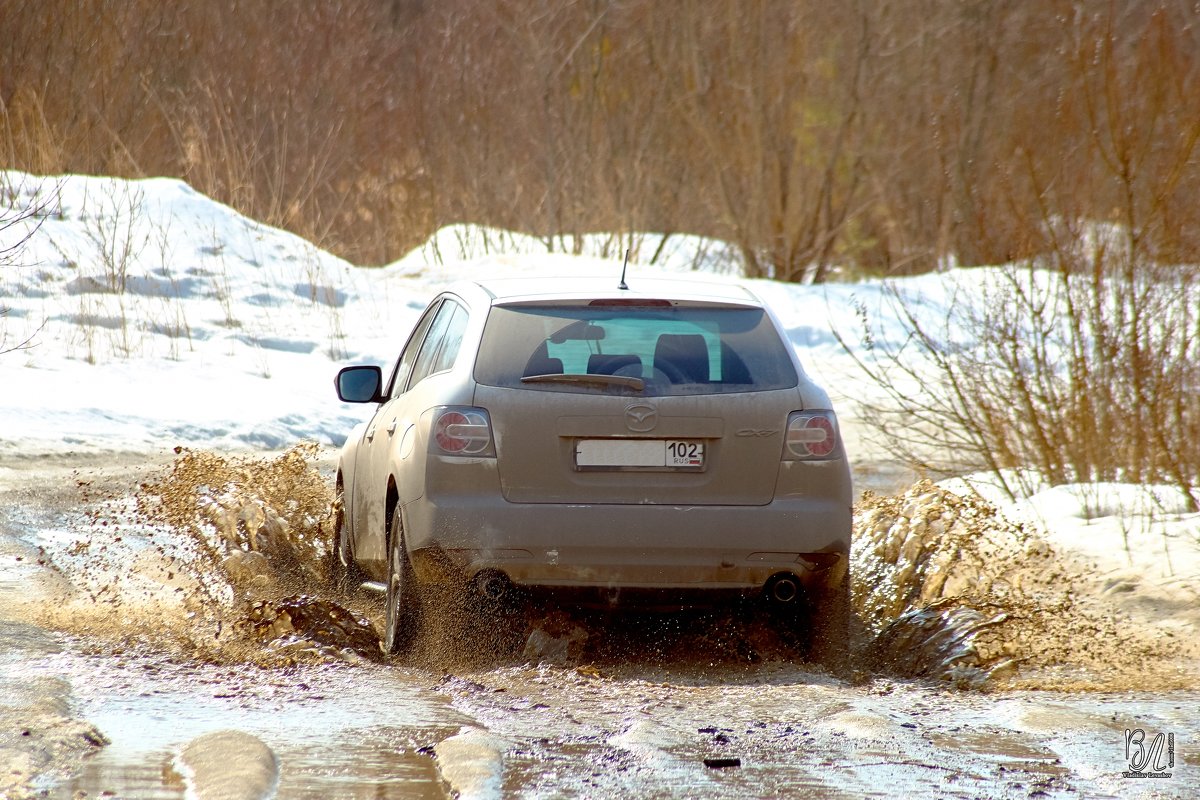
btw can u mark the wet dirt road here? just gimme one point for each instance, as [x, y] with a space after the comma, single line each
[117, 677]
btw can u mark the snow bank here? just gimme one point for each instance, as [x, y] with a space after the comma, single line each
[154, 316]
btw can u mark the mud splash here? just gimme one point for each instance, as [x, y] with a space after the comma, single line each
[221, 558]
[254, 517]
[310, 625]
[947, 588]
[230, 563]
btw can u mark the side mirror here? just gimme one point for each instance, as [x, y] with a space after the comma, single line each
[359, 384]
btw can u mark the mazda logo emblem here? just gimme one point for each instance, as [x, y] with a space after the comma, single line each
[640, 417]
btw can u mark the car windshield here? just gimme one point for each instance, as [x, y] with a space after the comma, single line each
[656, 348]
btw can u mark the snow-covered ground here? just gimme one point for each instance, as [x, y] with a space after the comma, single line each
[146, 316]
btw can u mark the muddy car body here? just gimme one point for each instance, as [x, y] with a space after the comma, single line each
[654, 445]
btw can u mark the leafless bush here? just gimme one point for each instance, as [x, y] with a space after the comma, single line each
[251, 162]
[24, 203]
[113, 223]
[1076, 375]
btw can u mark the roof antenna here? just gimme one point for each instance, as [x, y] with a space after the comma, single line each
[623, 285]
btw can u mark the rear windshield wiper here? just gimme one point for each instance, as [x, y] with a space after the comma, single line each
[637, 384]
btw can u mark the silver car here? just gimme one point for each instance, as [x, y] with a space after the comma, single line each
[655, 447]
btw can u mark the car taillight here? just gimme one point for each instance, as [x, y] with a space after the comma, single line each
[811, 435]
[461, 432]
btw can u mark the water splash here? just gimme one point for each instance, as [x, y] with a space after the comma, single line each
[947, 588]
[222, 558]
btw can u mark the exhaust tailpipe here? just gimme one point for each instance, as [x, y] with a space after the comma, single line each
[782, 589]
[492, 584]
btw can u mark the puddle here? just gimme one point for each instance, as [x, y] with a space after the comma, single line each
[337, 731]
[1002, 746]
[230, 559]
[232, 552]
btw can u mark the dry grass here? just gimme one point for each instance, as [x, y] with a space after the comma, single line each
[817, 137]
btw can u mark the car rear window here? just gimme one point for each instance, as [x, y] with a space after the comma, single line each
[674, 349]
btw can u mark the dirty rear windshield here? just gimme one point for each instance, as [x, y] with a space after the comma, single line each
[652, 349]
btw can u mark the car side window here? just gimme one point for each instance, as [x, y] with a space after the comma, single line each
[452, 341]
[442, 325]
[405, 364]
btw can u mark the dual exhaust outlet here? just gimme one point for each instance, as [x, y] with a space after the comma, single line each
[782, 589]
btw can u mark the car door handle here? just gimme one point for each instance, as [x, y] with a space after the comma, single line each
[371, 434]
[391, 428]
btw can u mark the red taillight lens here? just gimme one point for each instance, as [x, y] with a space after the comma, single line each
[462, 431]
[811, 435]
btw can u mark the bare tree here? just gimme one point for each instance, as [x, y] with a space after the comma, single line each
[862, 136]
[771, 97]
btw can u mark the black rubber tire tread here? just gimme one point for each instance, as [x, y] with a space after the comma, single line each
[403, 611]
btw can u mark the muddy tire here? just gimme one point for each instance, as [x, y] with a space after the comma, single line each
[403, 597]
[830, 628]
[344, 571]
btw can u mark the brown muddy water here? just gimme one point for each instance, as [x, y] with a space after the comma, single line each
[167, 630]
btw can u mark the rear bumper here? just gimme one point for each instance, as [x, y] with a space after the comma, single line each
[638, 547]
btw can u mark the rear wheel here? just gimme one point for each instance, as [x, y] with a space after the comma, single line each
[816, 622]
[830, 629]
[403, 598]
[344, 571]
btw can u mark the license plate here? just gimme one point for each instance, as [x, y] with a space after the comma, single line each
[685, 454]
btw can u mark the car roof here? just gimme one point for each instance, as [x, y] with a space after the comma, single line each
[549, 289]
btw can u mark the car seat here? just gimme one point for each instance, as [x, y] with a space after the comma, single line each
[685, 355]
